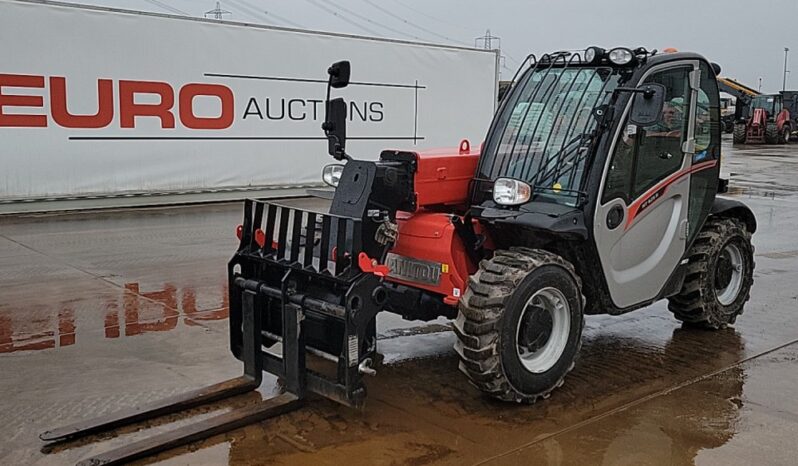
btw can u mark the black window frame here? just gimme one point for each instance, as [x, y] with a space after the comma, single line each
[631, 193]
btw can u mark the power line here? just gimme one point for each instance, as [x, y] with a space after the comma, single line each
[257, 11]
[364, 18]
[448, 23]
[251, 11]
[241, 8]
[428, 16]
[343, 18]
[286, 21]
[167, 7]
[517, 63]
[394, 15]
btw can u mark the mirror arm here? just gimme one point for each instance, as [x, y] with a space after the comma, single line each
[327, 126]
[647, 92]
[327, 104]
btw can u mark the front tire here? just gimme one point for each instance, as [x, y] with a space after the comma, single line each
[772, 135]
[720, 274]
[786, 134]
[739, 135]
[519, 325]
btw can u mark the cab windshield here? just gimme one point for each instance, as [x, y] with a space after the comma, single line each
[542, 134]
[766, 102]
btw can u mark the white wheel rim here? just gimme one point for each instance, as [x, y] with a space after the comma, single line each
[728, 294]
[542, 358]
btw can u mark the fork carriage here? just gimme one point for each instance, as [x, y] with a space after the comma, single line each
[311, 294]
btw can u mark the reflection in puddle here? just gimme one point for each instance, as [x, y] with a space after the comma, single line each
[46, 334]
[629, 402]
[671, 428]
[135, 312]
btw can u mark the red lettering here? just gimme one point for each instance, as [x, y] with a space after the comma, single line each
[112, 320]
[18, 80]
[166, 298]
[66, 327]
[61, 115]
[129, 109]
[190, 120]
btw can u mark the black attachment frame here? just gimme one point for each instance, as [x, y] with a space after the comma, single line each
[313, 294]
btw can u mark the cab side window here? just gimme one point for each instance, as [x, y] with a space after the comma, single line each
[645, 155]
[704, 183]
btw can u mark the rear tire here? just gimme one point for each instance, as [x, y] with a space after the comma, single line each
[728, 127]
[772, 135]
[519, 325]
[739, 134]
[719, 276]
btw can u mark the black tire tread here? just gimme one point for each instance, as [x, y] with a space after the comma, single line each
[739, 133]
[479, 318]
[696, 303]
[772, 135]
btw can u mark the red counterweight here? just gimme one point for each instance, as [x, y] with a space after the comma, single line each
[443, 177]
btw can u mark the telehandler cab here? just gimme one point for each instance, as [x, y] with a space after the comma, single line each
[593, 192]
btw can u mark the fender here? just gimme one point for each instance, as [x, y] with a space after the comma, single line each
[724, 207]
[783, 118]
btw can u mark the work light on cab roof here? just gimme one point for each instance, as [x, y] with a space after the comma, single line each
[619, 56]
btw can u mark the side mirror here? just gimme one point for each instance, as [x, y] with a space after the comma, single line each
[335, 128]
[647, 106]
[339, 74]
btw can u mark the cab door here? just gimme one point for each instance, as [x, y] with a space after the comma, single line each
[641, 222]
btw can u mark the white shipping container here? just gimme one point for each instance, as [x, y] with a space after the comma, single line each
[97, 102]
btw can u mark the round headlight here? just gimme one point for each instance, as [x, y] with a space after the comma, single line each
[621, 56]
[331, 174]
[507, 191]
[593, 54]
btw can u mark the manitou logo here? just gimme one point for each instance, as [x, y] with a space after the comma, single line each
[129, 110]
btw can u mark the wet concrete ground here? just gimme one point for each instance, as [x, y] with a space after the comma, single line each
[105, 310]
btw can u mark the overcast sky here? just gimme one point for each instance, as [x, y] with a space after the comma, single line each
[746, 37]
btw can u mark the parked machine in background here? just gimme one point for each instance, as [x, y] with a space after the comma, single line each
[738, 105]
[769, 119]
[728, 106]
[593, 193]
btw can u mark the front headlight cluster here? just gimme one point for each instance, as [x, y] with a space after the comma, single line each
[508, 191]
[331, 174]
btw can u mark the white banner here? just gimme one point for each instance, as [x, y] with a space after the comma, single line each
[97, 102]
